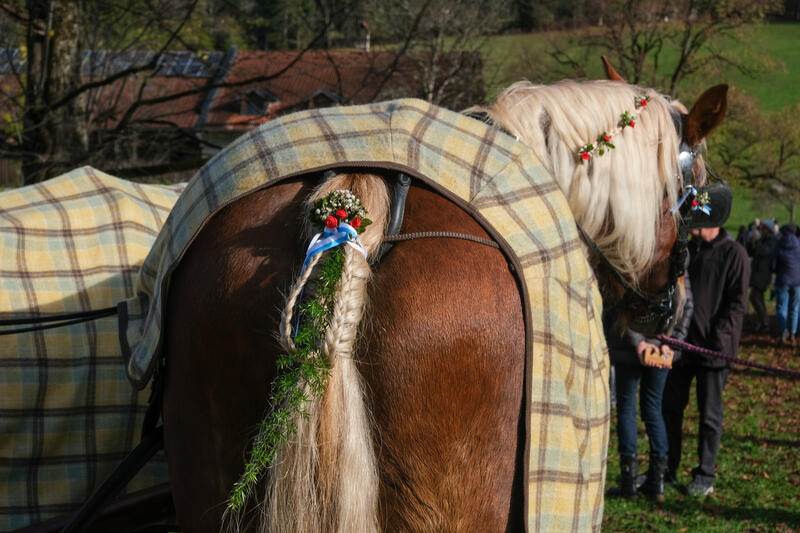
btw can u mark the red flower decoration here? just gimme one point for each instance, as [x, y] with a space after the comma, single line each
[694, 203]
[341, 213]
[606, 138]
[331, 222]
[585, 156]
[356, 222]
[631, 124]
[643, 103]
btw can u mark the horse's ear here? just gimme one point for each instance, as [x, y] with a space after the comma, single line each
[611, 74]
[707, 113]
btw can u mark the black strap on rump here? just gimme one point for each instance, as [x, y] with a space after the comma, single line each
[397, 210]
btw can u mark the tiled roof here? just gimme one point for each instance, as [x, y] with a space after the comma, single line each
[256, 85]
[106, 62]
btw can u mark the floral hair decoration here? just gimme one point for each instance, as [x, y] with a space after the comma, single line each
[699, 201]
[342, 218]
[603, 142]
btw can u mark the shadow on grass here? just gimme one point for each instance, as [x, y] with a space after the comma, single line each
[752, 439]
[756, 515]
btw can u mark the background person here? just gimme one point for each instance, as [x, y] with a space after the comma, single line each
[761, 276]
[786, 265]
[719, 272]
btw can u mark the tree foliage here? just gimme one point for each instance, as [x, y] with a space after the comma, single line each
[660, 43]
[438, 37]
[761, 151]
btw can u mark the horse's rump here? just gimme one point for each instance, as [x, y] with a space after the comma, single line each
[506, 189]
[68, 414]
[443, 374]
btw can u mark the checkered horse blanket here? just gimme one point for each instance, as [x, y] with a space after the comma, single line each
[508, 190]
[68, 414]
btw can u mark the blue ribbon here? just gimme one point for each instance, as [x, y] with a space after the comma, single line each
[331, 238]
[325, 240]
[691, 191]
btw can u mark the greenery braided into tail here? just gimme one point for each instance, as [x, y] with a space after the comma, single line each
[303, 371]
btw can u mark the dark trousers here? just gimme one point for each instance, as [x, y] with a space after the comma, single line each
[650, 398]
[759, 306]
[710, 382]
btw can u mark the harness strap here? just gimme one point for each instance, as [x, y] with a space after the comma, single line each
[59, 320]
[441, 234]
[398, 210]
[662, 306]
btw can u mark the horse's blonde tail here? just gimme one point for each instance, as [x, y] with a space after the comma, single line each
[326, 478]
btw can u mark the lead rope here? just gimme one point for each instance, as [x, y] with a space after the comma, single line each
[682, 345]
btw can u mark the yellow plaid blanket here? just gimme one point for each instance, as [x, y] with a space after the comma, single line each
[68, 414]
[508, 190]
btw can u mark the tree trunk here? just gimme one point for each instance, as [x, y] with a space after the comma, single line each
[56, 138]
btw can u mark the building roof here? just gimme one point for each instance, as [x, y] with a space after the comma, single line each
[247, 87]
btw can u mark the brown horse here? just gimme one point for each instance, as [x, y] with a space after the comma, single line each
[440, 362]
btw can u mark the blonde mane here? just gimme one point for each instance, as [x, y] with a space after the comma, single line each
[617, 198]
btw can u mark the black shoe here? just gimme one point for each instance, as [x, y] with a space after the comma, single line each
[653, 485]
[627, 479]
[700, 487]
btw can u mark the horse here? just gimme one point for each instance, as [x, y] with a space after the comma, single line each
[432, 419]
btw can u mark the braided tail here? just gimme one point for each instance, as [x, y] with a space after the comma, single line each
[325, 478]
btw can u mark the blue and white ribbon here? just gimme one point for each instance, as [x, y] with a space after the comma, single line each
[325, 240]
[331, 238]
[691, 191]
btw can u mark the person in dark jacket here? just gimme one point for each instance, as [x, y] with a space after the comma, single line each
[761, 275]
[719, 271]
[634, 374]
[786, 265]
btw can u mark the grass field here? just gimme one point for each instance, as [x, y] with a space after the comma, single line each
[771, 51]
[758, 483]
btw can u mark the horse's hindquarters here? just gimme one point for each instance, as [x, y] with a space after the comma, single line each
[441, 355]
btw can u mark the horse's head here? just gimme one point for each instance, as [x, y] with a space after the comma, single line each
[626, 158]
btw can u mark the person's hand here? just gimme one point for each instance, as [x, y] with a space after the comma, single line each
[664, 361]
[642, 348]
[666, 351]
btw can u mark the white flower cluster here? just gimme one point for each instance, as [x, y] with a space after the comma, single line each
[341, 199]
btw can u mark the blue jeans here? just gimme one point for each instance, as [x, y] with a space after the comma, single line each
[653, 380]
[787, 306]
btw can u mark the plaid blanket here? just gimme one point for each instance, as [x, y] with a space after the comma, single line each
[68, 414]
[508, 190]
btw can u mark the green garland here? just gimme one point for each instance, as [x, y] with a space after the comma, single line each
[305, 366]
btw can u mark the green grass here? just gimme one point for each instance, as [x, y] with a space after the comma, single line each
[746, 207]
[778, 87]
[758, 465]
